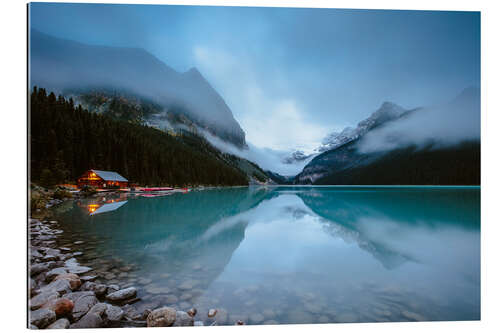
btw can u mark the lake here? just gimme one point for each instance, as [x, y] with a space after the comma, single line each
[268, 255]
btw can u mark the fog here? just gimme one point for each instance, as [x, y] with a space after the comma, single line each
[267, 158]
[441, 125]
[55, 63]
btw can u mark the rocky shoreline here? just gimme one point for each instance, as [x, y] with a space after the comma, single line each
[64, 294]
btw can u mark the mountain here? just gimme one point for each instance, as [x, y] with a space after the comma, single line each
[295, 157]
[394, 146]
[388, 111]
[78, 70]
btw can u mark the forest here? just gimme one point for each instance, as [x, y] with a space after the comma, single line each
[66, 140]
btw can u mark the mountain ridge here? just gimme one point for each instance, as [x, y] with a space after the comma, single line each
[68, 66]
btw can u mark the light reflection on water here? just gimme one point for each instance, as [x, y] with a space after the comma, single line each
[292, 254]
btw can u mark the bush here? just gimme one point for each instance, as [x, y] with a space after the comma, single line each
[87, 190]
[38, 200]
[61, 193]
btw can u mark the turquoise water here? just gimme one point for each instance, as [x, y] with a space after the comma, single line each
[290, 254]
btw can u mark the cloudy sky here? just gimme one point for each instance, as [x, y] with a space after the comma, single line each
[291, 76]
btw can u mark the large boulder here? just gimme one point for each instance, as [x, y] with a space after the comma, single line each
[83, 301]
[42, 318]
[62, 323]
[121, 295]
[162, 317]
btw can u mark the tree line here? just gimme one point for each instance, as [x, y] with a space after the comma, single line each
[66, 140]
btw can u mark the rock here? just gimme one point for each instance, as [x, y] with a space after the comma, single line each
[198, 323]
[109, 276]
[240, 322]
[171, 299]
[121, 295]
[42, 318]
[296, 316]
[79, 269]
[97, 288]
[48, 258]
[114, 313]
[90, 320]
[50, 275]
[74, 267]
[183, 319]
[112, 288]
[31, 287]
[212, 313]
[186, 285]
[132, 313]
[86, 278]
[256, 318]
[61, 306]
[62, 323]
[269, 313]
[221, 317]
[59, 286]
[73, 279]
[162, 317]
[192, 312]
[42, 298]
[38, 268]
[130, 301]
[184, 305]
[99, 309]
[144, 281]
[83, 301]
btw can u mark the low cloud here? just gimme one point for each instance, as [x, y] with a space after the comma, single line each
[442, 125]
[269, 120]
[266, 158]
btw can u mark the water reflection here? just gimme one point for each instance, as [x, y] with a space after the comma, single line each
[294, 255]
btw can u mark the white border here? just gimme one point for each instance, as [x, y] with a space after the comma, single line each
[13, 172]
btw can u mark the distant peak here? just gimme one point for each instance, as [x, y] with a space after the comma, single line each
[389, 105]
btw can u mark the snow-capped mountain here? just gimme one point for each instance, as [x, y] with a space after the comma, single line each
[437, 145]
[388, 111]
[295, 157]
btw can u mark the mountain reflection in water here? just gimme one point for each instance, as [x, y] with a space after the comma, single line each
[293, 254]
